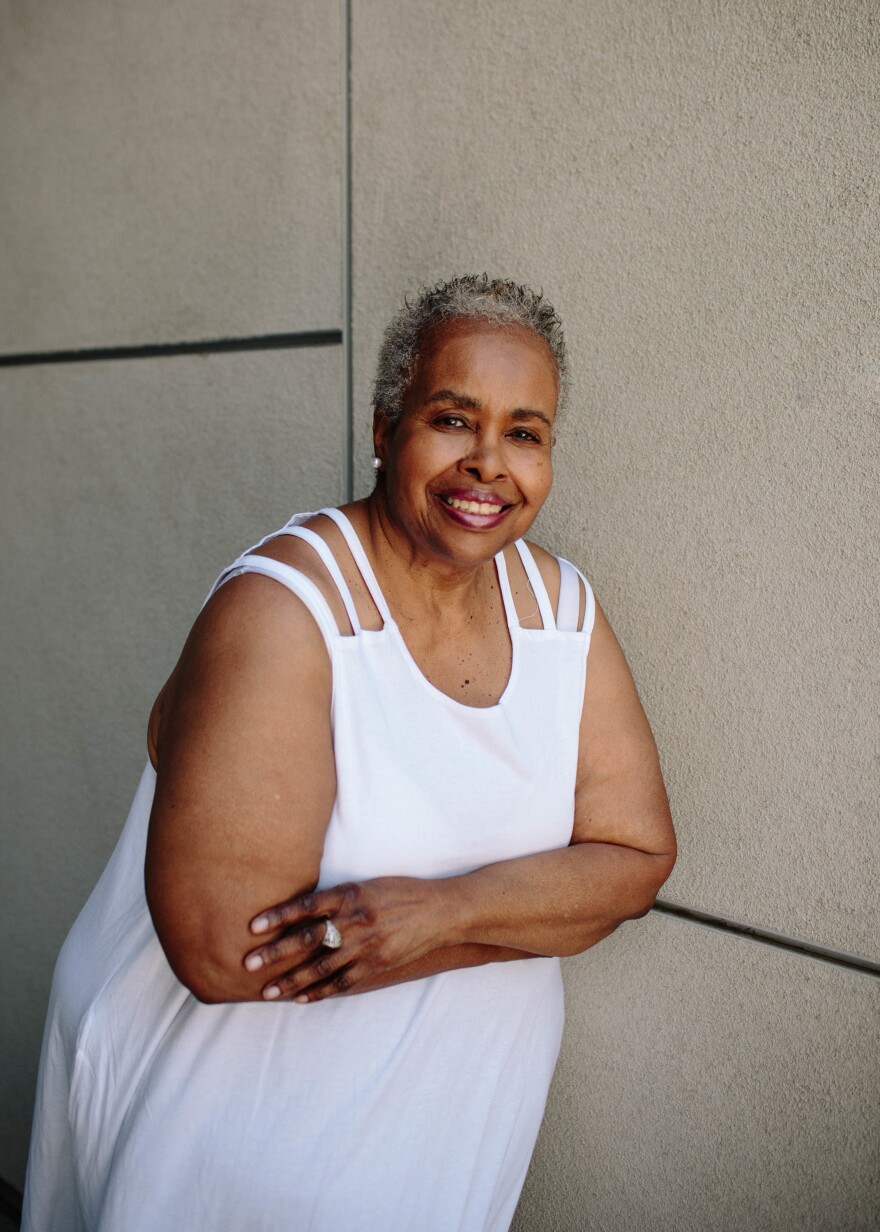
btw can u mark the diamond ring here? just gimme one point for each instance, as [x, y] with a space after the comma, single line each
[332, 936]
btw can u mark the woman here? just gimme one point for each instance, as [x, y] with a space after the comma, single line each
[399, 746]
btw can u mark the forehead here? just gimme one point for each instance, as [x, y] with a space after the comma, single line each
[487, 361]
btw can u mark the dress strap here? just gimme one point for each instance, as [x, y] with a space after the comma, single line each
[360, 559]
[589, 607]
[332, 566]
[569, 606]
[536, 582]
[506, 592]
[301, 586]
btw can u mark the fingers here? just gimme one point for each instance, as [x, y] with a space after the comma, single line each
[327, 976]
[295, 945]
[324, 942]
[299, 909]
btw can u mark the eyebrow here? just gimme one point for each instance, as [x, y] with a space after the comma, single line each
[522, 412]
[525, 412]
[449, 395]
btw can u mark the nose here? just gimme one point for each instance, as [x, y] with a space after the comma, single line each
[485, 460]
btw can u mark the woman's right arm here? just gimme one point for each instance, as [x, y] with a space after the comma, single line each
[245, 781]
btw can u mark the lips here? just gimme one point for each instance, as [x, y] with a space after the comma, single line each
[478, 510]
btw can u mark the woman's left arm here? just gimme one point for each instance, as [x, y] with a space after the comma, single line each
[553, 903]
[623, 844]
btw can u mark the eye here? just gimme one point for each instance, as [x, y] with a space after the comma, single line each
[527, 436]
[451, 420]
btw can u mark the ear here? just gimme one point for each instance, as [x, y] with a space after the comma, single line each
[382, 430]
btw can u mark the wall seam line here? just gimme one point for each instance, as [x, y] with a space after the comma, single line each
[162, 350]
[348, 374]
[769, 937]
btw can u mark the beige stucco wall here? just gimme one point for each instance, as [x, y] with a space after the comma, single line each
[706, 1082]
[695, 186]
[125, 487]
[170, 171]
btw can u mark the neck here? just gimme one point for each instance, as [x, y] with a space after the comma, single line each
[414, 580]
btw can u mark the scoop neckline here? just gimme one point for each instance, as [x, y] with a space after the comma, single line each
[394, 627]
[391, 625]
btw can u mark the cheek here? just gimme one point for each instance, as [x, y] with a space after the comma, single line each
[542, 475]
[424, 463]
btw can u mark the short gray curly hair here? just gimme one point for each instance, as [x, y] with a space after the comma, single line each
[498, 300]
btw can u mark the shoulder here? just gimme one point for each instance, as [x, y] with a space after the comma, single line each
[253, 636]
[571, 596]
[297, 554]
[305, 559]
[254, 629]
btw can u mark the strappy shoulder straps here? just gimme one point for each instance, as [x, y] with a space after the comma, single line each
[570, 581]
[248, 563]
[360, 559]
[371, 582]
[536, 582]
[506, 592]
[332, 567]
[569, 607]
[565, 619]
[296, 582]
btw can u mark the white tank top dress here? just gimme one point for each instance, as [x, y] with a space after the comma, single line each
[411, 1109]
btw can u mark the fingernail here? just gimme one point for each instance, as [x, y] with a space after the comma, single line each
[253, 962]
[260, 924]
[272, 993]
[302, 999]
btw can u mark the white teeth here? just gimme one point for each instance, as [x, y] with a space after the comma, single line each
[467, 506]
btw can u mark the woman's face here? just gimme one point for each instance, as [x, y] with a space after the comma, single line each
[468, 464]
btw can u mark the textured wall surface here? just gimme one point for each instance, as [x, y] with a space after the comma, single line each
[695, 185]
[709, 1083]
[124, 488]
[696, 188]
[170, 171]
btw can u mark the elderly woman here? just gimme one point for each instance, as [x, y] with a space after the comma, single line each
[400, 768]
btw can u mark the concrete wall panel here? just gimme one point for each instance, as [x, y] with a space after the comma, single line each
[124, 489]
[696, 188]
[708, 1082]
[169, 171]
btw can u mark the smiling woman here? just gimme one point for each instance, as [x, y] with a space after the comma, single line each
[473, 446]
[399, 769]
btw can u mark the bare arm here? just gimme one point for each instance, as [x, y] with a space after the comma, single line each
[245, 781]
[623, 844]
[557, 902]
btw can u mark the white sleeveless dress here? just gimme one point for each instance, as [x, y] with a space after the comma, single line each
[410, 1109]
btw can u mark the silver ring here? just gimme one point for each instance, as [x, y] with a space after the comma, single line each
[332, 936]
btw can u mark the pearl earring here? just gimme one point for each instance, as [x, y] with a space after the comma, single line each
[376, 464]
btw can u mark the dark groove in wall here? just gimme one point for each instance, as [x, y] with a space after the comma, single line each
[348, 373]
[838, 958]
[10, 1201]
[159, 350]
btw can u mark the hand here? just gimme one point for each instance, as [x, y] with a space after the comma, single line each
[384, 923]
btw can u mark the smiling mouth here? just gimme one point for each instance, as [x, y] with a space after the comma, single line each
[482, 508]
